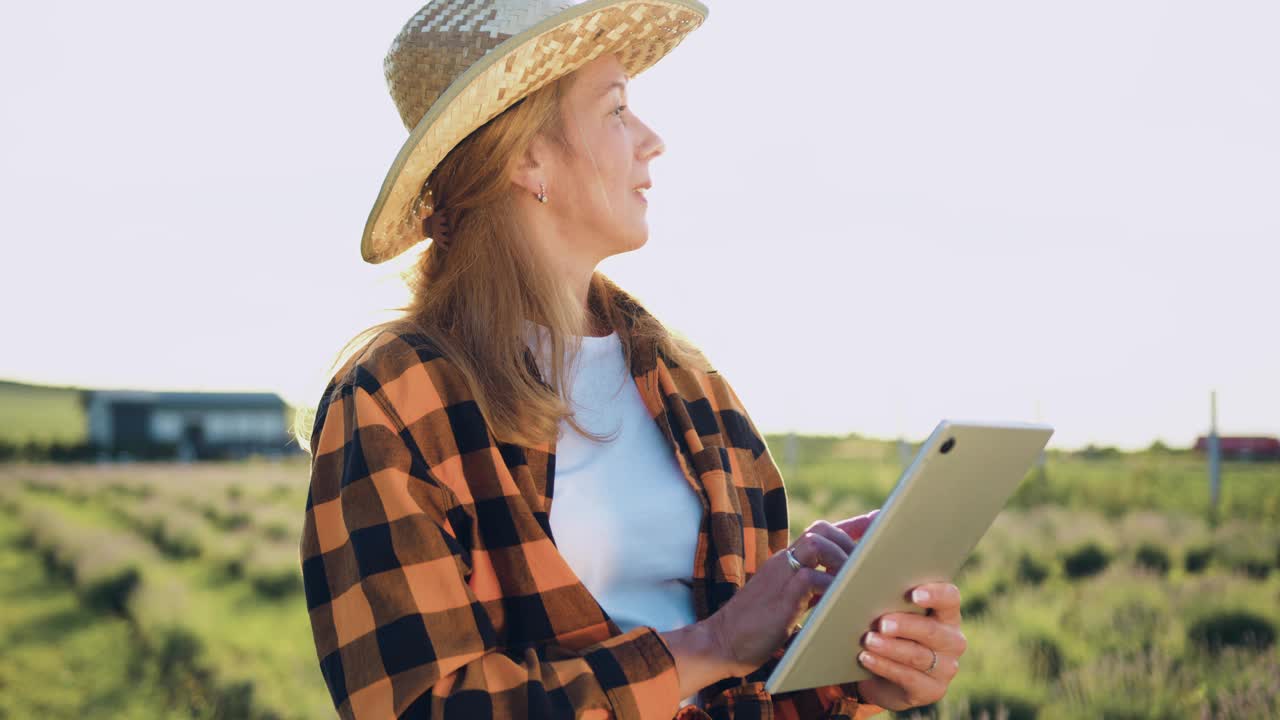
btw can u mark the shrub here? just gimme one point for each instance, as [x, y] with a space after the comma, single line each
[104, 566]
[996, 704]
[1216, 631]
[273, 569]
[278, 523]
[1256, 568]
[974, 606]
[1251, 561]
[235, 699]
[1253, 688]
[1085, 561]
[110, 590]
[1198, 558]
[1148, 684]
[276, 582]
[227, 519]
[1095, 452]
[227, 563]
[227, 554]
[33, 451]
[1152, 557]
[277, 531]
[178, 647]
[1136, 622]
[280, 491]
[173, 530]
[1031, 571]
[43, 485]
[176, 536]
[137, 491]
[1047, 658]
[72, 452]
[180, 655]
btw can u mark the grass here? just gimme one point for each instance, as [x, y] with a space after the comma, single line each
[863, 471]
[248, 651]
[40, 413]
[223, 630]
[60, 659]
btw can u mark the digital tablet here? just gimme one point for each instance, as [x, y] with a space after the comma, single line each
[941, 507]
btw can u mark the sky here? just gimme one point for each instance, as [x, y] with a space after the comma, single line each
[882, 214]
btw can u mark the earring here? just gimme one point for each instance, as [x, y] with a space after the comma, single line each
[542, 193]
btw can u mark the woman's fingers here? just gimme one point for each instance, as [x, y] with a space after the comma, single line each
[808, 580]
[855, 527]
[915, 688]
[832, 533]
[817, 547]
[912, 654]
[942, 638]
[942, 598]
[798, 589]
[902, 647]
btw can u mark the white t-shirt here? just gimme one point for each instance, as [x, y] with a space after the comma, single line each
[622, 513]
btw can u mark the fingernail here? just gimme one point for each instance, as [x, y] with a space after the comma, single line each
[875, 640]
[888, 626]
[866, 658]
[920, 595]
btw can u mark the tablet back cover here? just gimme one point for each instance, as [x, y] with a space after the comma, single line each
[943, 504]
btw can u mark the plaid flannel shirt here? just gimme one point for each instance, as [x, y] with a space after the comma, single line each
[434, 586]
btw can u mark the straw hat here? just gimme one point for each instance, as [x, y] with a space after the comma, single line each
[457, 64]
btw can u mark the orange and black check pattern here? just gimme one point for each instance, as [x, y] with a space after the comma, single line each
[433, 582]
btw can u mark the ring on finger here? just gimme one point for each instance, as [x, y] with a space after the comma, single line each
[792, 561]
[934, 664]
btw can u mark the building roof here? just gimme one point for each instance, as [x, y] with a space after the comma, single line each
[257, 400]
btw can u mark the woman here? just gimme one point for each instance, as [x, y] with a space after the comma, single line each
[439, 580]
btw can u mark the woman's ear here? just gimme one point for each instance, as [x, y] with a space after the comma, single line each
[530, 170]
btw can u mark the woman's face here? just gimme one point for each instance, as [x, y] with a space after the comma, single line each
[593, 200]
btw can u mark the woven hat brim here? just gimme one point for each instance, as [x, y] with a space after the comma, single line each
[640, 31]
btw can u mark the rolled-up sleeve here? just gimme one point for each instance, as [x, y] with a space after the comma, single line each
[399, 631]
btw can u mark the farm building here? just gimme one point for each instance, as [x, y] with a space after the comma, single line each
[187, 425]
[1243, 448]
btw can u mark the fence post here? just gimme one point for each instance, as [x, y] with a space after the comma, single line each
[1215, 461]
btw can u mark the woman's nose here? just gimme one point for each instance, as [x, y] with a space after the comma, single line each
[654, 147]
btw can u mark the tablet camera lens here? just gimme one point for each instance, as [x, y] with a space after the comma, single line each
[946, 446]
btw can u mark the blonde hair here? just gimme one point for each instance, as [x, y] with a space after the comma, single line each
[471, 298]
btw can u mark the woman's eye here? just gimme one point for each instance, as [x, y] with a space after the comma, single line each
[619, 110]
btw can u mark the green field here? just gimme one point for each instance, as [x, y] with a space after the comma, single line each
[168, 590]
[36, 413]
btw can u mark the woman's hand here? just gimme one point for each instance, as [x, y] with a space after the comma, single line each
[758, 618]
[909, 642]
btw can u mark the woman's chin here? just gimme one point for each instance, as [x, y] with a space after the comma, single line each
[634, 241]
[642, 237]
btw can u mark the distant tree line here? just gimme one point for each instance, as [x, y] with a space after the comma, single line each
[48, 451]
[56, 451]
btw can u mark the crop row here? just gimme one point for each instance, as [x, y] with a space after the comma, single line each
[114, 570]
